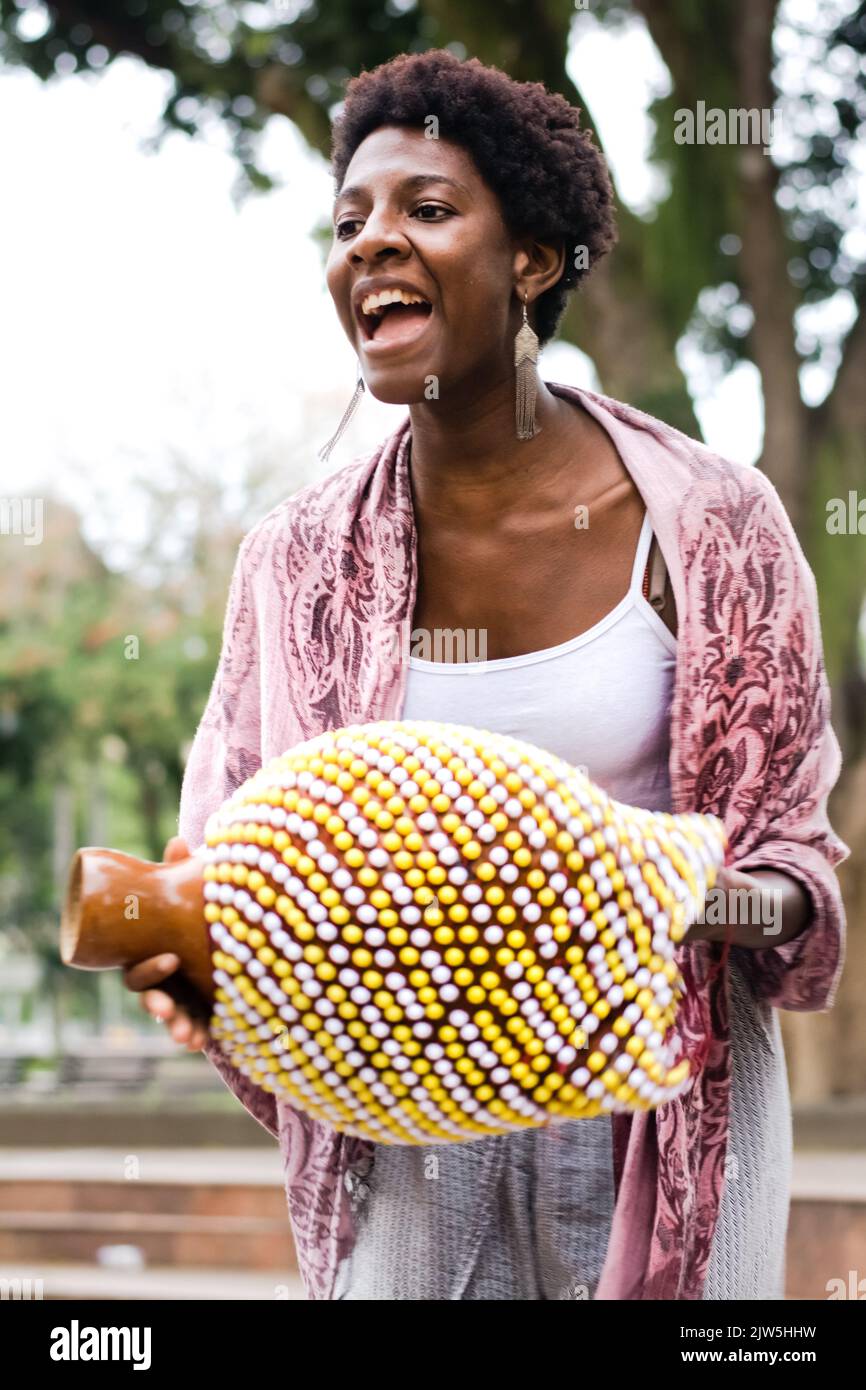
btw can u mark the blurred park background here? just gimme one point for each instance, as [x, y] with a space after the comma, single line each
[170, 362]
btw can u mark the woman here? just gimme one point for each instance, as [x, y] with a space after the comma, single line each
[468, 207]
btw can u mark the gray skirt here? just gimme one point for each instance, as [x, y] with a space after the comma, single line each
[528, 1215]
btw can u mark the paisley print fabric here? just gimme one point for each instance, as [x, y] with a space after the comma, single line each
[322, 592]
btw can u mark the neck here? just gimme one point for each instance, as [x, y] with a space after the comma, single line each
[467, 460]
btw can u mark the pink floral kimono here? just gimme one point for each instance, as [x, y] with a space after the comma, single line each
[319, 593]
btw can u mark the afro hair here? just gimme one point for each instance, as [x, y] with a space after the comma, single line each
[551, 180]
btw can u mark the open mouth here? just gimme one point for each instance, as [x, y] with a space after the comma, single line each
[393, 317]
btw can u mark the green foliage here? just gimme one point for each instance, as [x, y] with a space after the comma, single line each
[98, 676]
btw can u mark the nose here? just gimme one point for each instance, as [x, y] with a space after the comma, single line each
[378, 239]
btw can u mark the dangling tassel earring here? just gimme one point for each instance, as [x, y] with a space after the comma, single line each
[525, 358]
[325, 451]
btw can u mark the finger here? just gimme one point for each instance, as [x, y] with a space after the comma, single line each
[176, 848]
[151, 971]
[198, 1039]
[159, 1005]
[181, 1027]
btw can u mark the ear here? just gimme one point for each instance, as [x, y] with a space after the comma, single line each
[537, 266]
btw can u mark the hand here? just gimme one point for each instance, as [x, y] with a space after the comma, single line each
[185, 1025]
[715, 907]
[756, 910]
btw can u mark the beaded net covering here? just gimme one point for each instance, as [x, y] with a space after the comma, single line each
[425, 932]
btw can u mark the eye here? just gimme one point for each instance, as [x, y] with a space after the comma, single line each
[432, 207]
[348, 226]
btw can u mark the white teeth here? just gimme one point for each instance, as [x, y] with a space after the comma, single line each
[378, 301]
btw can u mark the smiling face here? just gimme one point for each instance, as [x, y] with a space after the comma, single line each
[415, 222]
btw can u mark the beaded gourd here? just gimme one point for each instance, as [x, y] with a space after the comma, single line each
[424, 932]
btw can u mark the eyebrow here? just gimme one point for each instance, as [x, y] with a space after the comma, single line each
[414, 181]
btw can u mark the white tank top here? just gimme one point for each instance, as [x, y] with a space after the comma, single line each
[601, 700]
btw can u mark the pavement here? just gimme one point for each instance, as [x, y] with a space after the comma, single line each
[75, 1281]
[817, 1174]
[256, 1166]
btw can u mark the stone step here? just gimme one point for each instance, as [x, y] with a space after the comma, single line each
[177, 1207]
[54, 1281]
[225, 1210]
[232, 1242]
[827, 1226]
[248, 1167]
[217, 1201]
